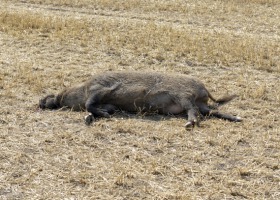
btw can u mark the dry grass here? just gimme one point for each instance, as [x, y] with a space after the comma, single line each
[233, 46]
[157, 40]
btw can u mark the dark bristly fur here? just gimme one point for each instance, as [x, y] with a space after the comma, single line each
[139, 91]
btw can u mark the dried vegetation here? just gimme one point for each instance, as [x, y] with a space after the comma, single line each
[232, 46]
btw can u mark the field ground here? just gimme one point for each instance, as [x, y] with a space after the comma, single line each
[232, 46]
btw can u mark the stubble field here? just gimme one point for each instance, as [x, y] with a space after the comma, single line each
[232, 46]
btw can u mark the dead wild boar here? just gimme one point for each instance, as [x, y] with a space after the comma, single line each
[168, 94]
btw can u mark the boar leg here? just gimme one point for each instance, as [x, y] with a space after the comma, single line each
[104, 109]
[228, 117]
[192, 118]
[95, 110]
[193, 114]
[205, 110]
[94, 104]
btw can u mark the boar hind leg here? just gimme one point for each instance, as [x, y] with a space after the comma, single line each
[193, 115]
[206, 111]
[192, 118]
[225, 116]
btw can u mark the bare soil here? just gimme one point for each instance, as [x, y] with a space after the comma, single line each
[232, 46]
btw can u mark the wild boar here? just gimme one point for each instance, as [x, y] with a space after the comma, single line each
[168, 94]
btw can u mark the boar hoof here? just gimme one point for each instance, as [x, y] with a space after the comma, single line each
[89, 119]
[190, 124]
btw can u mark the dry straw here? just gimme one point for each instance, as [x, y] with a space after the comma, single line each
[232, 46]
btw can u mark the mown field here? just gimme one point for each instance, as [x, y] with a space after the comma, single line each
[233, 46]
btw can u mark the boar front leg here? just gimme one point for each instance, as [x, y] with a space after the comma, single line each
[94, 105]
